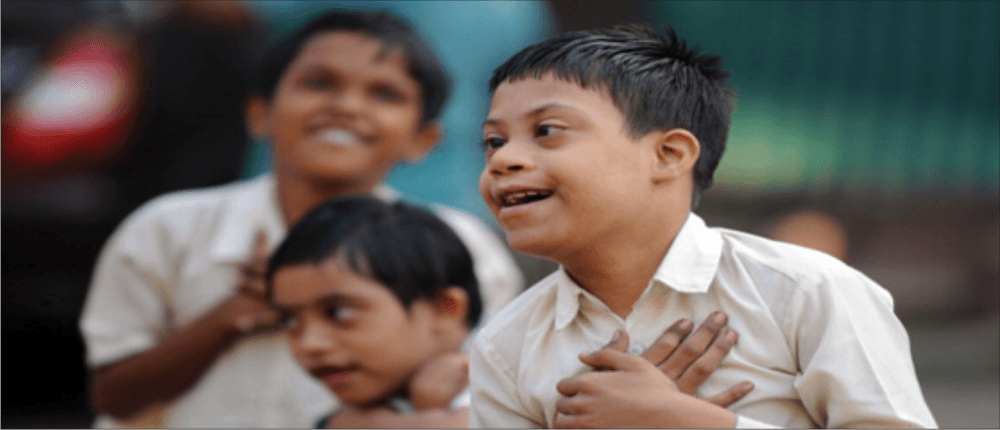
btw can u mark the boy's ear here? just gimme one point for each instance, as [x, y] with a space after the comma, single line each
[255, 112]
[676, 153]
[450, 307]
[427, 138]
[452, 303]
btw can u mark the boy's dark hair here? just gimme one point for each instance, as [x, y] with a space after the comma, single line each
[655, 80]
[406, 248]
[392, 31]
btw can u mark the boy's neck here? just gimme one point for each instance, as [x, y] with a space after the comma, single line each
[297, 194]
[618, 272]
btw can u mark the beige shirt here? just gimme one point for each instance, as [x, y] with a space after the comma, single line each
[819, 339]
[177, 257]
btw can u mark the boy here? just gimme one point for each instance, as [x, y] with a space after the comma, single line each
[598, 145]
[178, 330]
[377, 299]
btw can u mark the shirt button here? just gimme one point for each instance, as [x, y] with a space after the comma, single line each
[634, 349]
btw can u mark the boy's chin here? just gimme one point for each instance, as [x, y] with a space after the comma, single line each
[535, 245]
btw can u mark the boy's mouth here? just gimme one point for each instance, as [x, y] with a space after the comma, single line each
[340, 137]
[517, 197]
[333, 375]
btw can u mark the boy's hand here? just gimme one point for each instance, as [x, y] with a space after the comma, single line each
[689, 361]
[631, 392]
[249, 310]
[439, 380]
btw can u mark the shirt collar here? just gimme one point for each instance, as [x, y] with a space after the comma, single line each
[256, 209]
[693, 258]
[689, 267]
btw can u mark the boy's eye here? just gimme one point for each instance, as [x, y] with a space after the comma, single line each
[316, 83]
[341, 313]
[493, 142]
[288, 321]
[387, 94]
[545, 130]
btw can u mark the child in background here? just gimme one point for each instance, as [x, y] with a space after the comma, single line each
[598, 145]
[179, 332]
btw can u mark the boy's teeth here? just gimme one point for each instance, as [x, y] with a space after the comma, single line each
[520, 197]
[340, 137]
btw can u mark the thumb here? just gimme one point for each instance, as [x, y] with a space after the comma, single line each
[612, 359]
[619, 343]
[260, 246]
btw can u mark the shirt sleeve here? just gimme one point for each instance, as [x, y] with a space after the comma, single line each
[125, 311]
[494, 393]
[855, 367]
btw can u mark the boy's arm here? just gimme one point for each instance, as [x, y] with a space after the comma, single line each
[854, 356]
[126, 313]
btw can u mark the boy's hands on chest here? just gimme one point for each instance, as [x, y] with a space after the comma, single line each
[655, 389]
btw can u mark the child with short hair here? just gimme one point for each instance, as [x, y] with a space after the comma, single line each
[176, 323]
[599, 145]
[373, 294]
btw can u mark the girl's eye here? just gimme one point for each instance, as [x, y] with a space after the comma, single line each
[545, 130]
[493, 142]
[341, 313]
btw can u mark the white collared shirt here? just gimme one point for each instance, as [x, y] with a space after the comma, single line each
[818, 339]
[177, 257]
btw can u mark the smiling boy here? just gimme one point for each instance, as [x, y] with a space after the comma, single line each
[176, 323]
[598, 146]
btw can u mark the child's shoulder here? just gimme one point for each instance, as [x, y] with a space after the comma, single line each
[775, 264]
[186, 210]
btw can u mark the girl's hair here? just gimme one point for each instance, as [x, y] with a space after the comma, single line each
[407, 249]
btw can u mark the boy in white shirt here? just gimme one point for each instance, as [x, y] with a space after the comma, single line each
[598, 146]
[177, 328]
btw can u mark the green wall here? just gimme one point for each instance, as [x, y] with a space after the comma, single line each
[863, 97]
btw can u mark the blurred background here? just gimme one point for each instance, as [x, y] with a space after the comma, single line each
[868, 130]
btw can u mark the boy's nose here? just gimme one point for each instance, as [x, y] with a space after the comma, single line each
[314, 339]
[508, 159]
[347, 101]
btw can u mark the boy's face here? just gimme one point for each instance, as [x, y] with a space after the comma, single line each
[561, 174]
[353, 333]
[342, 113]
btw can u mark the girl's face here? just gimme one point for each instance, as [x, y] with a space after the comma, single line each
[344, 112]
[353, 333]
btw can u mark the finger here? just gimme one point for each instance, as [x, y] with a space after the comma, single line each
[665, 345]
[619, 342]
[612, 359]
[569, 387]
[255, 287]
[732, 395]
[694, 346]
[260, 246]
[569, 405]
[567, 422]
[705, 365]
